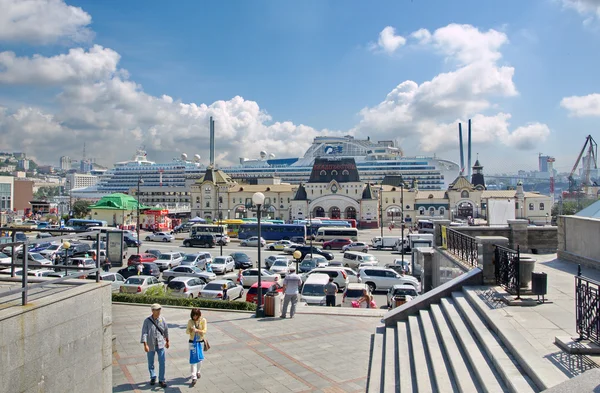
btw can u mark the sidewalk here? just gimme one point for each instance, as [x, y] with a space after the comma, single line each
[310, 353]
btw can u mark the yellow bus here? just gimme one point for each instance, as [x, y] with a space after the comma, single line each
[233, 226]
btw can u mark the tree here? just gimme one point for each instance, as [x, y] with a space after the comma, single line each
[81, 209]
[570, 207]
[46, 192]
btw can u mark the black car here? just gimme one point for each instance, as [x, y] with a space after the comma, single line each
[242, 261]
[200, 241]
[182, 228]
[150, 269]
[298, 239]
[307, 250]
[131, 242]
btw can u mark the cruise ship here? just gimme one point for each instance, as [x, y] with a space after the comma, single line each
[374, 161]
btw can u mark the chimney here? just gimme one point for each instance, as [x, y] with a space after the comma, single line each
[469, 152]
[462, 152]
[212, 142]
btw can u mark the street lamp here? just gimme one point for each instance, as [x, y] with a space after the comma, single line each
[140, 182]
[70, 197]
[297, 256]
[258, 199]
[402, 218]
[220, 220]
[66, 246]
[381, 211]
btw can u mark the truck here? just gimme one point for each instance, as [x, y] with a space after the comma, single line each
[19, 223]
[379, 242]
[415, 239]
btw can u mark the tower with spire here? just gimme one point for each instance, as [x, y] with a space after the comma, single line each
[477, 178]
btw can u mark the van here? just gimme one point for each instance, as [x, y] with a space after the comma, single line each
[354, 258]
[313, 290]
[379, 242]
[416, 240]
[92, 231]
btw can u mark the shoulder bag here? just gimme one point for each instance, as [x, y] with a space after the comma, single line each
[157, 327]
[206, 344]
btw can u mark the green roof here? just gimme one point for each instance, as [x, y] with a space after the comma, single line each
[118, 201]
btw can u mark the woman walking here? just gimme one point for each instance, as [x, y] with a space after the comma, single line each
[196, 328]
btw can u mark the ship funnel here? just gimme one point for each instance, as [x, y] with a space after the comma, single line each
[461, 147]
[469, 152]
[212, 142]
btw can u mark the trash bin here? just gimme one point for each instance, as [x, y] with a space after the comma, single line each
[539, 283]
[270, 298]
[399, 300]
[526, 266]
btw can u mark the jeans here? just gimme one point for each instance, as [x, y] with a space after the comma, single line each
[330, 300]
[286, 303]
[161, 364]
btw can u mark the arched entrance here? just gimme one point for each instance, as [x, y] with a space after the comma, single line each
[351, 213]
[319, 212]
[465, 209]
[240, 212]
[334, 212]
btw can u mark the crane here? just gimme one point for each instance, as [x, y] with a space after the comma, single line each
[592, 154]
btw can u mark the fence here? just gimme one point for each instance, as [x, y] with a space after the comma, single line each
[506, 263]
[462, 247]
[587, 308]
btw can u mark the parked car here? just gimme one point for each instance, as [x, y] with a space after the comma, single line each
[35, 258]
[266, 287]
[279, 245]
[339, 275]
[253, 242]
[313, 290]
[200, 241]
[319, 259]
[168, 260]
[43, 235]
[250, 276]
[223, 264]
[197, 260]
[354, 259]
[214, 290]
[336, 244]
[356, 246]
[40, 246]
[149, 269]
[188, 271]
[353, 292]
[242, 261]
[116, 280]
[189, 287]
[139, 258]
[222, 239]
[406, 292]
[400, 266]
[353, 277]
[5, 258]
[160, 237]
[272, 258]
[281, 267]
[314, 250]
[381, 278]
[139, 284]
[52, 250]
[156, 253]
[183, 227]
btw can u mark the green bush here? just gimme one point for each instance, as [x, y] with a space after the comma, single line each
[183, 302]
[158, 291]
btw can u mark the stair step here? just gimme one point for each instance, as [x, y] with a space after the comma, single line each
[485, 375]
[513, 378]
[375, 369]
[389, 361]
[442, 379]
[420, 367]
[463, 377]
[404, 362]
[541, 371]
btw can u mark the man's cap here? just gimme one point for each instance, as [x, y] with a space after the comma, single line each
[155, 306]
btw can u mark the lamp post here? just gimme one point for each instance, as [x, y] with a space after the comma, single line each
[477, 210]
[381, 211]
[137, 227]
[402, 217]
[258, 199]
[220, 219]
[297, 256]
[66, 246]
[70, 196]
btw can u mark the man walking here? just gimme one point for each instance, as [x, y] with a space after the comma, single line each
[155, 337]
[291, 285]
[330, 291]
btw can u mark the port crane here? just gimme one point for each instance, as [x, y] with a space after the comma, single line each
[592, 154]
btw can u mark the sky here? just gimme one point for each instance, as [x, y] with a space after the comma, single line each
[118, 75]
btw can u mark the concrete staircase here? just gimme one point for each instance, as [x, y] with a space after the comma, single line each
[453, 347]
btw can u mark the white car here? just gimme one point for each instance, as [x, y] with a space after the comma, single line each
[160, 237]
[222, 239]
[356, 246]
[291, 248]
[253, 242]
[272, 258]
[168, 260]
[139, 284]
[189, 287]
[36, 258]
[381, 278]
[281, 267]
[39, 272]
[339, 275]
[250, 276]
[4, 258]
[198, 260]
[214, 290]
[353, 277]
[51, 251]
[353, 292]
[116, 280]
[187, 271]
[279, 245]
[223, 264]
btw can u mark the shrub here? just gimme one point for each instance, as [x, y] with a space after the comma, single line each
[183, 302]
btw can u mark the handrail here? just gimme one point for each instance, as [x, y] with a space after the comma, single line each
[587, 308]
[463, 247]
[507, 269]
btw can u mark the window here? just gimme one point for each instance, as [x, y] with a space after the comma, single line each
[541, 206]
[334, 173]
[432, 210]
[322, 173]
[197, 199]
[421, 210]
[393, 200]
[464, 194]
[288, 200]
[207, 204]
[220, 199]
[531, 206]
[442, 210]
[386, 200]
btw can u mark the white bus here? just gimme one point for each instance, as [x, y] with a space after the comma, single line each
[330, 233]
[207, 229]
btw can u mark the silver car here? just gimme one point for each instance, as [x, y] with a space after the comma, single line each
[189, 287]
[223, 264]
[168, 260]
[160, 237]
[214, 290]
[187, 271]
[253, 242]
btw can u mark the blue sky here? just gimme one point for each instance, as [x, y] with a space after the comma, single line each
[314, 64]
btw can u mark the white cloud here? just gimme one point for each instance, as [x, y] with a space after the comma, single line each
[581, 106]
[42, 21]
[527, 137]
[74, 67]
[388, 40]
[590, 8]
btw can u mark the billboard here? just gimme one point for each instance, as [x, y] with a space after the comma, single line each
[499, 211]
[114, 247]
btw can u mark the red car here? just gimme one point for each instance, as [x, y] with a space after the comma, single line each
[137, 258]
[336, 243]
[267, 286]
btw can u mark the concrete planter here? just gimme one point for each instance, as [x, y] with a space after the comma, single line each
[526, 267]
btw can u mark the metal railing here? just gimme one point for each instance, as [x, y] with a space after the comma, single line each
[587, 308]
[506, 264]
[462, 247]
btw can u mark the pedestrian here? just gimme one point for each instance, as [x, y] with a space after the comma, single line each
[155, 337]
[224, 291]
[330, 290]
[196, 328]
[291, 285]
[80, 266]
[366, 300]
[140, 269]
[240, 278]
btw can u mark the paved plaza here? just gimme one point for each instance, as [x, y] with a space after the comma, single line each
[310, 353]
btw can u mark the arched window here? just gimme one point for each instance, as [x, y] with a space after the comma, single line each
[542, 206]
[464, 194]
[432, 210]
[334, 173]
[531, 206]
[197, 199]
[442, 210]
[322, 173]
[345, 172]
[421, 210]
